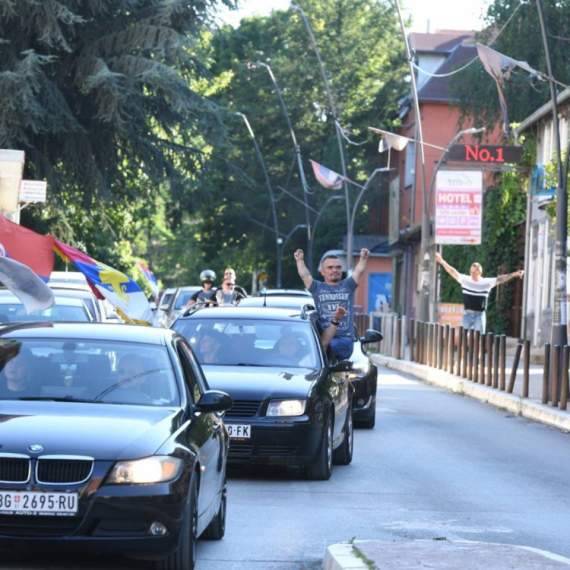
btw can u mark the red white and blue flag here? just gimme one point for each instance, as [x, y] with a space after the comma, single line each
[150, 279]
[108, 283]
[328, 178]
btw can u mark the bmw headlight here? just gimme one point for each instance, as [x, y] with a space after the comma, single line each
[359, 370]
[147, 470]
[286, 408]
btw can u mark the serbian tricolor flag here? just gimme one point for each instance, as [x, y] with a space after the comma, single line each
[26, 247]
[107, 283]
[328, 178]
[150, 279]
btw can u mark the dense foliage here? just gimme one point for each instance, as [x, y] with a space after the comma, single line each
[520, 38]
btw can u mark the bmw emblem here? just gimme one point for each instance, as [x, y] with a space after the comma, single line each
[36, 448]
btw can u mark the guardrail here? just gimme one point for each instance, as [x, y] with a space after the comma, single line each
[478, 358]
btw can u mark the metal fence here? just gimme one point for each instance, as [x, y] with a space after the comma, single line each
[479, 358]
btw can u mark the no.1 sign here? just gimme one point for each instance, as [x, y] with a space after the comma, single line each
[458, 207]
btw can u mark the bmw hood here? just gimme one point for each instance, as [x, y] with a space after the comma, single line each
[101, 431]
[259, 383]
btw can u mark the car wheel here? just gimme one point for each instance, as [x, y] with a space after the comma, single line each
[321, 470]
[185, 557]
[343, 454]
[217, 527]
[368, 423]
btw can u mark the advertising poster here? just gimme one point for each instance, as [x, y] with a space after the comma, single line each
[458, 207]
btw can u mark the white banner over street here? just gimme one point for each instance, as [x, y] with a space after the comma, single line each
[458, 207]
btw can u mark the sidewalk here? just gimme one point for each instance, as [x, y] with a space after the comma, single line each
[530, 407]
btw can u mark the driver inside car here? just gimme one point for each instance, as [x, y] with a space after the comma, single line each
[290, 349]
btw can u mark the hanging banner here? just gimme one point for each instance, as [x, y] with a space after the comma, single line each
[458, 207]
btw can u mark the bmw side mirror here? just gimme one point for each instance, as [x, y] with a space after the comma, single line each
[214, 401]
[342, 366]
[371, 336]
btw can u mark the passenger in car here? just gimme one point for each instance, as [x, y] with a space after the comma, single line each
[18, 374]
[290, 348]
[130, 371]
[210, 346]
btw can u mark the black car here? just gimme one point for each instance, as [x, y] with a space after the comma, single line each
[364, 372]
[292, 401]
[109, 440]
[364, 377]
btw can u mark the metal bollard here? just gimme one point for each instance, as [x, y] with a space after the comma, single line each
[429, 343]
[515, 367]
[555, 375]
[451, 348]
[440, 341]
[546, 373]
[447, 333]
[459, 350]
[403, 336]
[398, 339]
[412, 340]
[496, 350]
[503, 363]
[465, 353]
[489, 358]
[483, 354]
[526, 369]
[564, 387]
[471, 354]
[476, 346]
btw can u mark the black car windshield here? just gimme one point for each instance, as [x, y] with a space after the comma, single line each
[86, 370]
[244, 342]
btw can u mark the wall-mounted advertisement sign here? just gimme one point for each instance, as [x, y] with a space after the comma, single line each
[458, 207]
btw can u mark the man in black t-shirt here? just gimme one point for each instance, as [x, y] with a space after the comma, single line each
[207, 293]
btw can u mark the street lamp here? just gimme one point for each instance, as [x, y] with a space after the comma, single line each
[329, 200]
[281, 243]
[269, 188]
[297, 155]
[349, 261]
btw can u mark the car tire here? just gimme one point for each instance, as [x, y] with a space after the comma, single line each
[342, 455]
[368, 423]
[321, 470]
[184, 558]
[217, 527]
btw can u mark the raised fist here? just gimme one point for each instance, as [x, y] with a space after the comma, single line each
[299, 255]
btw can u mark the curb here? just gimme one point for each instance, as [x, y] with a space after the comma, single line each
[515, 404]
[343, 555]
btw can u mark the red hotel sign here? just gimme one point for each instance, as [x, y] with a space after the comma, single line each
[485, 154]
[458, 207]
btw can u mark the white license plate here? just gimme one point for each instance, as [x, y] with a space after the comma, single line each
[33, 503]
[242, 431]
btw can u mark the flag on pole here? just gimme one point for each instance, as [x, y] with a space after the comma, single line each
[26, 247]
[499, 67]
[150, 279]
[328, 178]
[26, 285]
[108, 283]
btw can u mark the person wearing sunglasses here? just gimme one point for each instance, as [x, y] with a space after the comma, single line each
[475, 289]
[229, 294]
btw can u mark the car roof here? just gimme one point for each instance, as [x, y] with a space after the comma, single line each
[190, 288]
[72, 291]
[69, 285]
[259, 313]
[285, 292]
[7, 297]
[289, 302]
[88, 331]
[67, 277]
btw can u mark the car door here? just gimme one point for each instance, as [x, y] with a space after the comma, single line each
[337, 385]
[210, 435]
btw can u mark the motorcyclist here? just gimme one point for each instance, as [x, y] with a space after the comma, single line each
[206, 294]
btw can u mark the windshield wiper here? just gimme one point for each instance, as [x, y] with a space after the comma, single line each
[57, 399]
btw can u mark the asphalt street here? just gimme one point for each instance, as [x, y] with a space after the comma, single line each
[436, 465]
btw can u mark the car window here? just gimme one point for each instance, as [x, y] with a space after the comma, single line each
[190, 365]
[235, 342]
[90, 370]
[17, 312]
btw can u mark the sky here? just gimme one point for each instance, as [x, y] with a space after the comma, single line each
[437, 14]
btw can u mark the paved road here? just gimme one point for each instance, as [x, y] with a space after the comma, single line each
[437, 465]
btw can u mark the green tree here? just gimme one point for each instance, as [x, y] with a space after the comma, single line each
[367, 76]
[102, 97]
